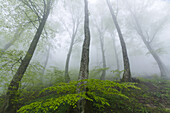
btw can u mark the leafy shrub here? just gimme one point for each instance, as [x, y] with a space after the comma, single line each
[67, 95]
[53, 76]
[117, 74]
[95, 73]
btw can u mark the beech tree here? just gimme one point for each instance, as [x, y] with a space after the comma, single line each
[148, 38]
[115, 51]
[47, 58]
[127, 71]
[101, 32]
[17, 34]
[10, 103]
[84, 64]
[101, 26]
[14, 22]
[76, 19]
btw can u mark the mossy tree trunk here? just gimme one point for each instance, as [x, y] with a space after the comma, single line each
[84, 65]
[10, 103]
[127, 71]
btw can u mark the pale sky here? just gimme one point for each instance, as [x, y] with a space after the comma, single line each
[92, 1]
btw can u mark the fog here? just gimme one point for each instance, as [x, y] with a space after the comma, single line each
[152, 15]
[84, 56]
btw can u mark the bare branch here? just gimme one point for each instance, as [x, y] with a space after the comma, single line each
[18, 61]
[117, 9]
[30, 20]
[147, 36]
[65, 26]
[37, 8]
[44, 6]
[33, 8]
[158, 30]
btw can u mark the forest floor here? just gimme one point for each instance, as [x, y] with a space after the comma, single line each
[155, 93]
[153, 97]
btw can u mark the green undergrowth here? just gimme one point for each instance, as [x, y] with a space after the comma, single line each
[147, 96]
[65, 94]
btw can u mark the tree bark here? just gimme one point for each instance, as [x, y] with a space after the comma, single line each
[127, 72]
[84, 65]
[10, 104]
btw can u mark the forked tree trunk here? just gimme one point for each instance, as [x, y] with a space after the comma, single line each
[127, 72]
[84, 65]
[67, 77]
[161, 66]
[10, 103]
[101, 32]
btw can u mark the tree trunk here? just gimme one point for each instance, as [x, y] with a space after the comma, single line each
[161, 66]
[127, 72]
[116, 54]
[84, 65]
[158, 60]
[103, 58]
[46, 60]
[12, 41]
[10, 103]
[67, 77]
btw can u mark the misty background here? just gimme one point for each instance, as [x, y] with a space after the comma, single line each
[153, 16]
